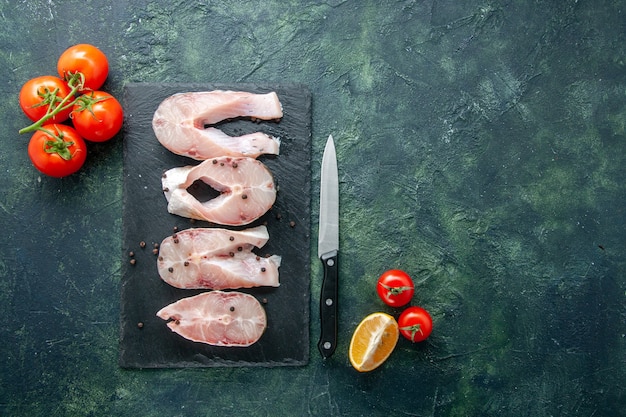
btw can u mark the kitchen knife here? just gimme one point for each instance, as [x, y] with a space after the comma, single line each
[328, 249]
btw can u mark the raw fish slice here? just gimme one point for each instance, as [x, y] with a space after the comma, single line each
[217, 318]
[180, 120]
[246, 187]
[204, 258]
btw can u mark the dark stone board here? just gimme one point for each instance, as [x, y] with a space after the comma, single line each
[146, 341]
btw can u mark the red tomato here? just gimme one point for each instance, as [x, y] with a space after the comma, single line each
[40, 93]
[395, 288]
[58, 152]
[415, 324]
[97, 116]
[88, 60]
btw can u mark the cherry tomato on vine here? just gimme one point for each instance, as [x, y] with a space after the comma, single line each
[58, 151]
[88, 60]
[40, 93]
[97, 116]
[415, 324]
[395, 288]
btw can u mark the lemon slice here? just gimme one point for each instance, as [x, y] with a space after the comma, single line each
[373, 341]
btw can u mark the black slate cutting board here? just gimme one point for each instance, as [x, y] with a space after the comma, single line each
[146, 341]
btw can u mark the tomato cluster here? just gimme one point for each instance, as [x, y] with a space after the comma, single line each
[68, 109]
[395, 288]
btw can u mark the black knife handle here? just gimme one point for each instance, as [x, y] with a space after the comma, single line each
[328, 304]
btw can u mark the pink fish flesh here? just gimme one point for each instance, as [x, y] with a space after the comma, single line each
[246, 189]
[203, 258]
[179, 123]
[217, 318]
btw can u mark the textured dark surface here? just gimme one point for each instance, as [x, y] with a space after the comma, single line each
[481, 147]
[146, 219]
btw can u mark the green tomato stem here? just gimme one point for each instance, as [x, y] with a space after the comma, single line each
[57, 144]
[86, 102]
[416, 328]
[395, 290]
[76, 82]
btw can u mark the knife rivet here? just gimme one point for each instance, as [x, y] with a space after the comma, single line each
[329, 301]
[327, 345]
[330, 262]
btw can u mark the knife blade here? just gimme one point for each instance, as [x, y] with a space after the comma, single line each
[328, 249]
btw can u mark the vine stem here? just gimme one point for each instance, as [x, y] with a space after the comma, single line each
[76, 82]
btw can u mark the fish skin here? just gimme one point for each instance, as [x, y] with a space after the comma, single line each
[179, 123]
[213, 258]
[246, 187]
[217, 318]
